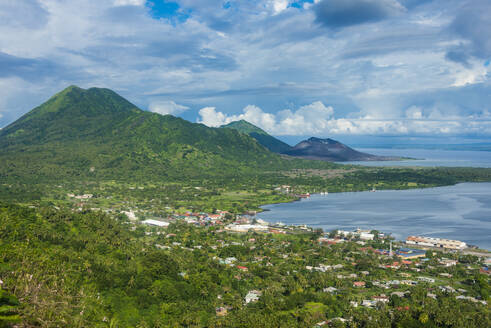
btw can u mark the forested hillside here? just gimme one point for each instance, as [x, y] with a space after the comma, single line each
[89, 269]
[96, 133]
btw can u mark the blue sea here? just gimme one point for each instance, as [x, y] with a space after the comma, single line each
[461, 212]
[429, 157]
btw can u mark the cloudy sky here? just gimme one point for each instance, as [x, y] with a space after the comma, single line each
[293, 67]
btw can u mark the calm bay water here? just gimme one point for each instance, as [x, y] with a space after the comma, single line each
[461, 212]
[430, 157]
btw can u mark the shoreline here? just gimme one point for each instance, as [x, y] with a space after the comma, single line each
[477, 252]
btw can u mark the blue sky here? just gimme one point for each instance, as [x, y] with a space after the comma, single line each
[353, 68]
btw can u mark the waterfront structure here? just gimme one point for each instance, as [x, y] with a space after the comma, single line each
[436, 242]
[362, 234]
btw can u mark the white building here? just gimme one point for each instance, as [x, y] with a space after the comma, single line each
[362, 234]
[330, 290]
[246, 227]
[156, 223]
[426, 279]
[436, 242]
[252, 296]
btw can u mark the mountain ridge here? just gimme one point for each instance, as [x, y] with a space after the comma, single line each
[77, 129]
[273, 144]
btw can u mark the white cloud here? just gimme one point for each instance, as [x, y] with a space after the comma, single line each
[212, 118]
[129, 2]
[477, 74]
[414, 112]
[309, 119]
[279, 5]
[167, 107]
[317, 119]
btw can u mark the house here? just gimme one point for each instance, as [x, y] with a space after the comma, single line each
[381, 298]
[469, 298]
[252, 296]
[448, 289]
[330, 290]
[408, 282]
[359, 284]
[448, 262]
[243, 268]
[368, 303]
[426, 279]
[227, 261]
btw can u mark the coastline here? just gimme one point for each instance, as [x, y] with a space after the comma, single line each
[480, 251]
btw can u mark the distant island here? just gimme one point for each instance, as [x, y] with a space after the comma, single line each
[332, 151]
[313, 148]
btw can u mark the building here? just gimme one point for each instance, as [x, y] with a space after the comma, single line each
[436, 242]
[246, 227]
[252, 296]
[410, 253]
[368, 303]
[381, 298]
[426, 279]
[362, 234]
[227, 261]
[156, 223]
[331, 290]
[448, 262]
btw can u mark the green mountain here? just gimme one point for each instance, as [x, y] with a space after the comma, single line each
[260, 135]
[97, 133]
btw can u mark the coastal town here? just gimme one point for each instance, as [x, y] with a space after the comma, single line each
[360, 269]
[228, 266]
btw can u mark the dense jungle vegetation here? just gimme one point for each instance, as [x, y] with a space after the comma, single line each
[89, 269]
